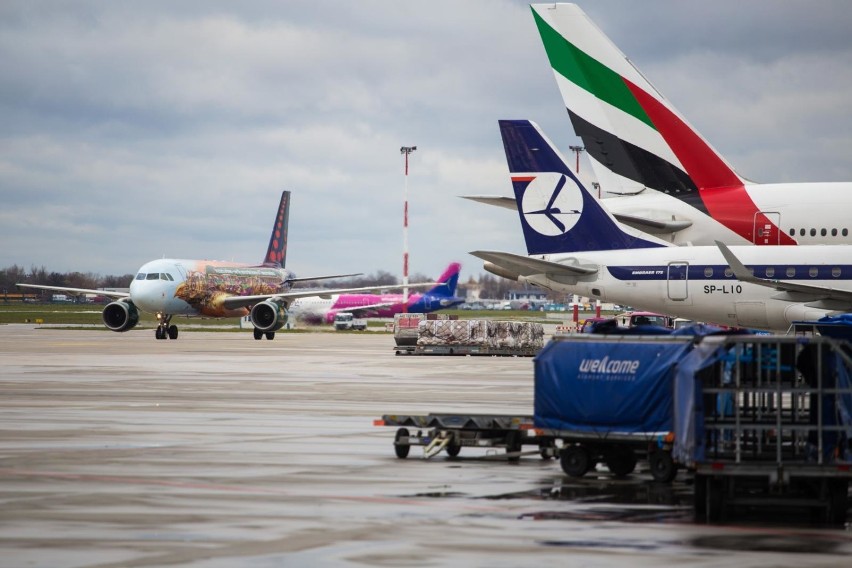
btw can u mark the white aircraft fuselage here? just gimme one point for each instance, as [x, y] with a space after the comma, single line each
[820, 218]
[696, 282]
[197, 287]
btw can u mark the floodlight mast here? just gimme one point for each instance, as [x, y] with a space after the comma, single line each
[406, 151]
[577, 150]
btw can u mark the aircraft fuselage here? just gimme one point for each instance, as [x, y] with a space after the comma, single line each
[696, 282]
[197, 287]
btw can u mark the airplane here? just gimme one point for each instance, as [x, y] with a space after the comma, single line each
[575, 245]
[209, 288]
[318, 310]
[665, 178]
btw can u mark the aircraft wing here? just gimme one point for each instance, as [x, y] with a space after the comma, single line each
[287, 297]
[831, 298]
[309, 278]
[76, 290]
[367, 311]
[526, 266]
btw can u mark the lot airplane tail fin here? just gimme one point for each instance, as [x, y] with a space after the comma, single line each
[558, 214]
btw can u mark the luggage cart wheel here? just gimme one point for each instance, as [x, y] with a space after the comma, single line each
[663, 468]
[620, 460]
[401, 447]
[453, 448]
[575, 460]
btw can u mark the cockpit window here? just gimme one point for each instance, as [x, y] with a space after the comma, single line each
[169, 277]
[140, 276]
[153, 276]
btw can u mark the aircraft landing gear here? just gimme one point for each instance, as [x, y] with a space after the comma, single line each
[259, 334]
[164, 330]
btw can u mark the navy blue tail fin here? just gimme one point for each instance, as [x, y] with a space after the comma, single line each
[276, 252]
[558, 214]
[447, 282]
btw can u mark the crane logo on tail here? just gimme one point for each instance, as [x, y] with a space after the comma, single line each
[549, 207]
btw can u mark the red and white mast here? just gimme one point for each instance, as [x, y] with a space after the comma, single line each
[405, 150]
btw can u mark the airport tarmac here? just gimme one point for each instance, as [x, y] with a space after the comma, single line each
[216, 450]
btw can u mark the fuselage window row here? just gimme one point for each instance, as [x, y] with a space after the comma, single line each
[823, 232]
[769, 272]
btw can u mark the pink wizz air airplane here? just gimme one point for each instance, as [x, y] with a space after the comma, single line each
[322, 309]
[168, 287]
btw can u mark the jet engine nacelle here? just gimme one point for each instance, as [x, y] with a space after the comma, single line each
[494, 269]
[120, 316]
[268, 316]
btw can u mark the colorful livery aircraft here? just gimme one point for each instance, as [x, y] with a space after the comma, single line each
[669, 181]
[322, 309]
[208, 288]
[575, 245]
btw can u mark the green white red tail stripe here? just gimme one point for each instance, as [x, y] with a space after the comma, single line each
[630, 131]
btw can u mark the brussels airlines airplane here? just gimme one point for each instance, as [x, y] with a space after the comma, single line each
[317, 309]
[576, 245]
[669, 180]
[210, 288]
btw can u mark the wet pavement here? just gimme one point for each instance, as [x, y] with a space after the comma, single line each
[219, 450]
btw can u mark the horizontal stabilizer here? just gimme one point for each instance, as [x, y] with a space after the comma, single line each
[496, 200]
[526, 266]
[652, 226]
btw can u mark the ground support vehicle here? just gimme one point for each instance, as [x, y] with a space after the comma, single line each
[451, 432]
[765, 422]
[609, 399]
[345, 321]
[578, 451]
[593, 404]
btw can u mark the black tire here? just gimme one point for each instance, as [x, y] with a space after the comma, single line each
[663, 468]
[575, 460]
[699, 504]
[621, 461]
[453, 448]
[513, 445]
[546, 450]
[159, 333]
[715, 500]
[401, 450]
[258, 334]
[270, 335]
[173, 332]
[838, 494]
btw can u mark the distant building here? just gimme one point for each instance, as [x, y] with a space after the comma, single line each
[529, 295]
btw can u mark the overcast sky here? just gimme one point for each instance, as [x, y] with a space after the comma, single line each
[135, 130]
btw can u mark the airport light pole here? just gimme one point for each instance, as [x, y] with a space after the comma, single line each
[577, 150]
[405, 150]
